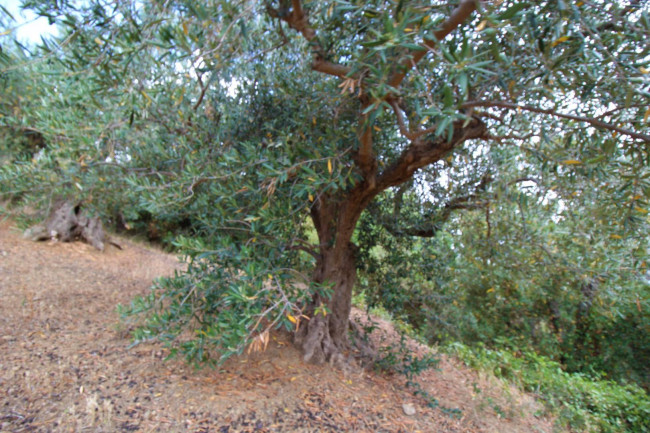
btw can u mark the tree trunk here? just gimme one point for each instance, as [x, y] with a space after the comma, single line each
[335, 216]
[325, 338]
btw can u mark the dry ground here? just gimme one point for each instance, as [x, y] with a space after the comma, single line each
[66, 367]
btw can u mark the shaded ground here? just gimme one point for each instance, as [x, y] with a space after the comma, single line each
[65, 366]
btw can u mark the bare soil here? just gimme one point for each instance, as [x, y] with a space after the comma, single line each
[67, 366]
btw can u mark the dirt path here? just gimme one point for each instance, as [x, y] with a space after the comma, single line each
[66, 367]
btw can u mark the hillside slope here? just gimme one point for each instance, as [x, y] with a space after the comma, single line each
[66, 366]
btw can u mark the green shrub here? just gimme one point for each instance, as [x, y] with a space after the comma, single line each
[579, 401]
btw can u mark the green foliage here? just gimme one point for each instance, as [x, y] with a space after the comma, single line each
[217, 307]
[548, 254]
[579, 401]
[205, 126]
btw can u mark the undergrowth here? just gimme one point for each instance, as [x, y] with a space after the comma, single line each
[579, 401]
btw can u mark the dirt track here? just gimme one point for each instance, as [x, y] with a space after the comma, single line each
[65, 365]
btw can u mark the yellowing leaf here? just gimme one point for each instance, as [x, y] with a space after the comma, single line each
[291, 319]
[615, 237]
[646, 115]
[638, 209]
[511, 87]
[6, 32]
[99, 42]
[571, 162]
[558, 41]
[311, 197]
[329, 165]
[490, 290]
[313, 120]
[146, 96]
[185, 30]
[481, 25]
[644, 70]
[377, 128]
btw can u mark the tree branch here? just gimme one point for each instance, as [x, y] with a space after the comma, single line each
[410, 134]
[457, 17]
[420, 154]
[204, 88]
[593, 122]
[469, 201]
[299, 21]
[312, 252]
[365, 158]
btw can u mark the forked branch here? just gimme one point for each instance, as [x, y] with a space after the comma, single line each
[437, 219]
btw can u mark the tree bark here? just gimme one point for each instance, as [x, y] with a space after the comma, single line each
[325, 338]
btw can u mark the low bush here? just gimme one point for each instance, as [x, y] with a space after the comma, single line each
[580, 401]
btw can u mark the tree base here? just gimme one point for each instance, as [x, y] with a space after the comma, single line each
[319, 346]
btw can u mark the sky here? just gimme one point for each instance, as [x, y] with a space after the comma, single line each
[27, 27]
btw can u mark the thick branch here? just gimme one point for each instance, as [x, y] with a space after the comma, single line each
[321, 65]
[436, 221]
[420, 154]
[593, 122]
[457, 17]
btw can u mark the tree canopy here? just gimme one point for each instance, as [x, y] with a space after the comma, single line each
[295, 145]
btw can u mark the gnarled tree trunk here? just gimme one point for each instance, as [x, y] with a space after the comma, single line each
[325, 338]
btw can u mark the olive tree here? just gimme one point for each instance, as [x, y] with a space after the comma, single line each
[276, 125]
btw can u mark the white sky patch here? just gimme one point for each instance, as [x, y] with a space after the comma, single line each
[27, 27]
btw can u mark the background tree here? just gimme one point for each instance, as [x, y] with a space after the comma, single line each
[249, 119]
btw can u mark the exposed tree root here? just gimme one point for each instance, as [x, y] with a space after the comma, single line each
[347, 353]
